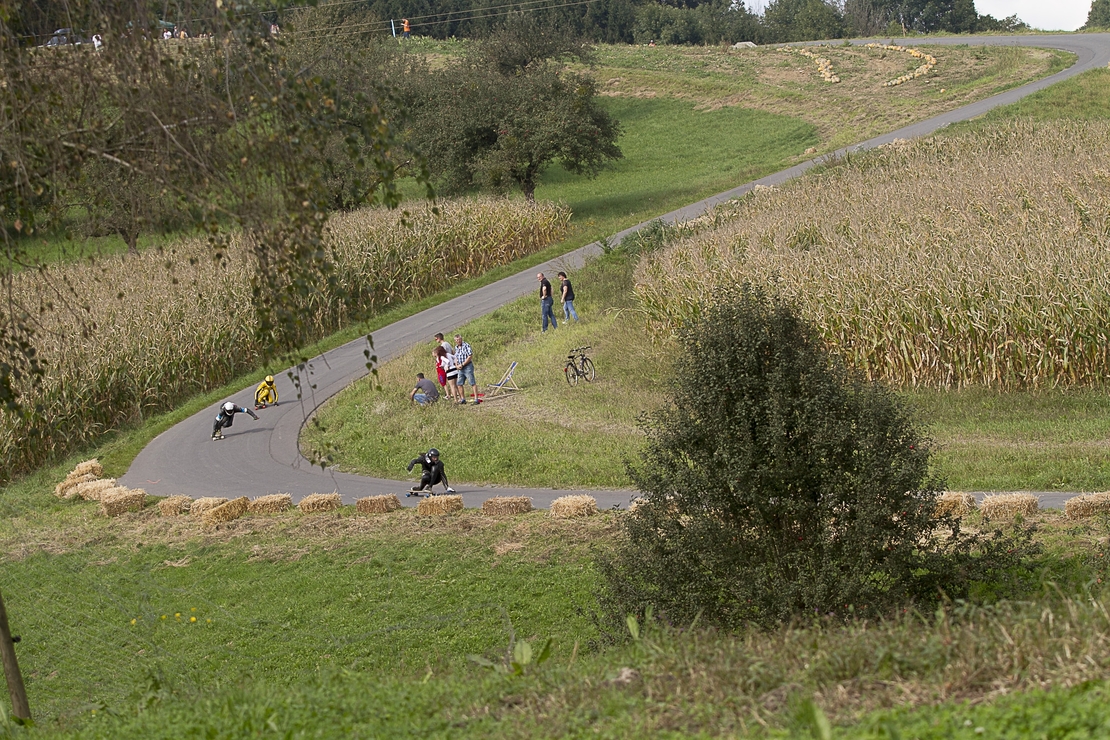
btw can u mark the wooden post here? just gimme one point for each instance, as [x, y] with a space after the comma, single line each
[20, 708]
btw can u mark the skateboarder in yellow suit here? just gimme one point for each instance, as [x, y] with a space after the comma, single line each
[266, 393]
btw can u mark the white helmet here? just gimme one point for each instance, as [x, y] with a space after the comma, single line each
[229, 407]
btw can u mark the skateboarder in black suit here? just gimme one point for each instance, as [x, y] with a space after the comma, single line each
[433, 472]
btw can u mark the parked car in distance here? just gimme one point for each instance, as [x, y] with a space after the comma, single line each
[65, 37]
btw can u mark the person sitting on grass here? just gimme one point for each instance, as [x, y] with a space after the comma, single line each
[266, 393]
[228, 410]
[433, 472]
[425, 391]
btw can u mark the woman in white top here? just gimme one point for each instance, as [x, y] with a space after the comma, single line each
[446, 361]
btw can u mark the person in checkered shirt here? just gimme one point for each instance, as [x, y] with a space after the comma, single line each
[464, 361]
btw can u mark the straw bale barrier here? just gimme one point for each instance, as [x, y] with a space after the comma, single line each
[116, 501]
[1009, 505]
[89, 466]
[955, 504]
[439, 505]
[174, 505]
[1090, 504]
[67, 488]
[226, 512]
[378, 504]
[571, 507]
[317, 503]
[92, 490]
[206, 503]
[272, 504]
[506, 505]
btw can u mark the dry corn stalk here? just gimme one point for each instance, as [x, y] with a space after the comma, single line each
[152, 332]
[92, 490]
[1000, 277]
[439, 505]
[315, 503]
[378, 504]
[570, 507]
[206, 503]
[174, 505]
[1009, 505]
[1080, 507]
[272, 504]
[116, 501]
[506, 505]
[955, 504]
[226, 512]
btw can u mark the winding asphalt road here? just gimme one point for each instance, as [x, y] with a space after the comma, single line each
[263, 457]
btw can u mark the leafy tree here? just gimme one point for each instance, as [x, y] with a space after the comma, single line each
[507, 111]
[1099, 15]
[803, 20]
[777, 483]
[226, 127]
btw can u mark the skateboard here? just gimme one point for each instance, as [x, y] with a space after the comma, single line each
[418, 492]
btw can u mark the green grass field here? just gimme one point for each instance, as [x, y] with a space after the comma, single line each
[339, 626]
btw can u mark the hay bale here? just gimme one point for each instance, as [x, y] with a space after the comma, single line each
[119, 500]
[955, 504]
[94, 489]
[206, 503]
[1009, 505]
[1091, 504]
[272, 504]
[174, 505]
[66, 489]
[89, 467]
[571, 507]
[378, 504]
[439, 505]
[315, 503]
[226, 512]
[506, 505]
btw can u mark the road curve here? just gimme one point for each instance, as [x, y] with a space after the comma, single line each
[263, 457]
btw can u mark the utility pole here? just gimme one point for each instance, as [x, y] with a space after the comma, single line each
[20, 708]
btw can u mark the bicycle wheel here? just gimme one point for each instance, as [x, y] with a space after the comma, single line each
[588, 370]
[571, 372]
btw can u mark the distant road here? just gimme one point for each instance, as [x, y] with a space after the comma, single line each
[258, 458]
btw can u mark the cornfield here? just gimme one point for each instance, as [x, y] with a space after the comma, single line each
[145, 331]
[980, 258]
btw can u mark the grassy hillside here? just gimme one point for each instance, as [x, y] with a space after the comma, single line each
[338, 625]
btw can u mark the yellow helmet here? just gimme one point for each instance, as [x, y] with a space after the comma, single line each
[269, 380]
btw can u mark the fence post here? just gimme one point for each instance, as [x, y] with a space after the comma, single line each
[18, 693]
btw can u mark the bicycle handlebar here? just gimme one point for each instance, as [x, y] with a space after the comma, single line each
[579, 349]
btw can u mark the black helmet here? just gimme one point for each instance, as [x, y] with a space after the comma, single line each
[433, 452]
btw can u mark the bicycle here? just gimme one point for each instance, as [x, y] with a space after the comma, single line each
[579, 366]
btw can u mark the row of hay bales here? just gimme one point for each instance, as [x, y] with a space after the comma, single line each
[1010, 505]
[85, 482]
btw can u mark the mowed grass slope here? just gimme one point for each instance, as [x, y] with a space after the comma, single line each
[1044, 438]
[335, 626]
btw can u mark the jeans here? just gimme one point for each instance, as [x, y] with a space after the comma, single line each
[546, 312]
[568, 311]
[422, 399]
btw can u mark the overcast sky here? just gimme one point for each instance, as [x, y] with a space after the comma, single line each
[1048, 15]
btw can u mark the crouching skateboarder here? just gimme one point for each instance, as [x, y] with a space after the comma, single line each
[227, 413]
[266, 393]
[433, 473]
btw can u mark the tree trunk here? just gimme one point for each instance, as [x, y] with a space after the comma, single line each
[20, 708]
